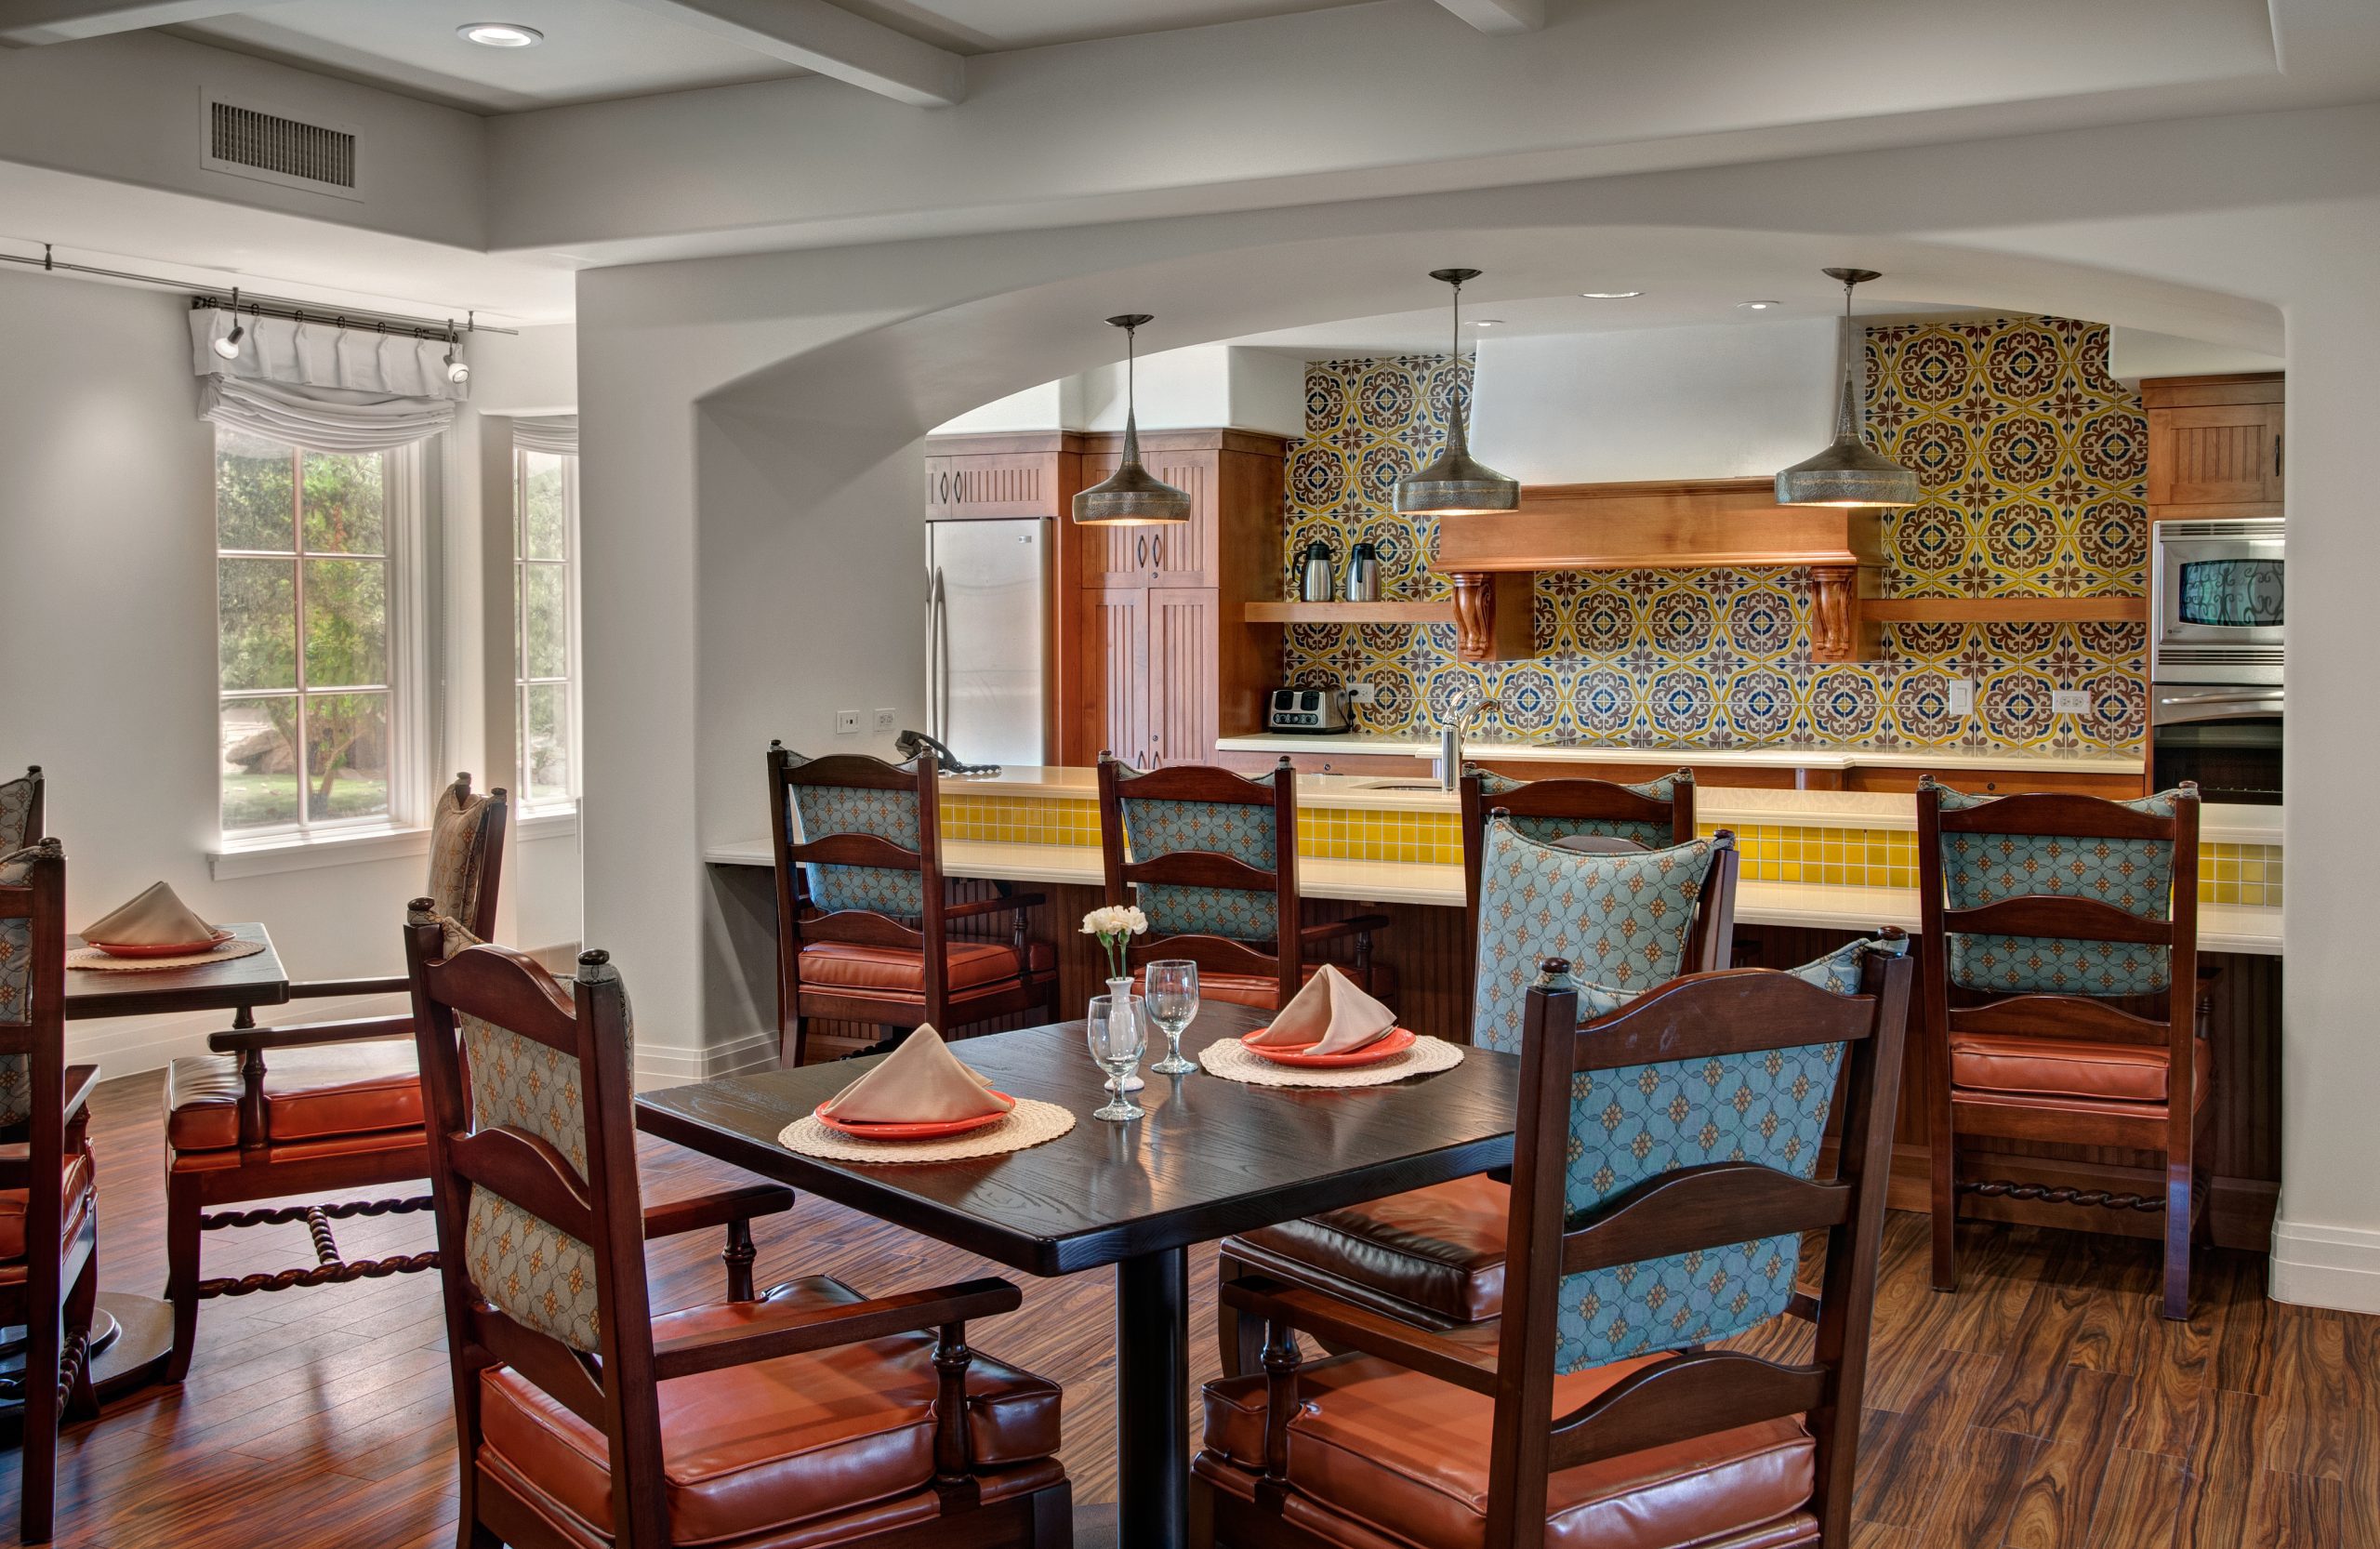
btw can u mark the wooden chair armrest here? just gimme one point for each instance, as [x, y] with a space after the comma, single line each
[796, 1331]
[993, 906]
[1343, 1323]
[1330, 930]
[363, 1029]
[80, 1079]
[742, 1203]
[317, 990]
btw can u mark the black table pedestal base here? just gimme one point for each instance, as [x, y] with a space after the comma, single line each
[1153, 1399]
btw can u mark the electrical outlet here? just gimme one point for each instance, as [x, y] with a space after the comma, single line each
[2069, 701]
[886, 718]
[846, 723]
[1961, 694]
[1363, 693]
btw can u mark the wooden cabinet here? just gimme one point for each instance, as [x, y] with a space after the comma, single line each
[2216, 445]
[1184, 695]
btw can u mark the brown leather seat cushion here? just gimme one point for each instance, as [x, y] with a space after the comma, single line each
[2106, 1072]
[310, 1094]
[843, 965]
[1263, 991]
[753, 1447]
[76, 1196]
[1435, 1251]
[1406, 1456]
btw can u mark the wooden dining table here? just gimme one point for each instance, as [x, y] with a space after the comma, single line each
[1213, 1156]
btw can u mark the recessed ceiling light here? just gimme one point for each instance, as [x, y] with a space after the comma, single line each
[1757, 306]
[1486, 322]
[500, 34]
[1610, 295]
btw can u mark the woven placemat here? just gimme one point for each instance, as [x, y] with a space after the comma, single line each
[1227, 1058]
[1028, 1124]
[92, 957]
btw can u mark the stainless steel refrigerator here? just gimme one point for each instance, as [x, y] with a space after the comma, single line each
[987, 637]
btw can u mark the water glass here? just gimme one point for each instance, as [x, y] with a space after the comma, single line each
[1172, 1004]
[1117, 1036]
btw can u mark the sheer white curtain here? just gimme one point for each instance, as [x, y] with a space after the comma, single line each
[317, 385]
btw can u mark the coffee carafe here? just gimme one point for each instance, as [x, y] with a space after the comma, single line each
[1314, 579]
[1363, 574]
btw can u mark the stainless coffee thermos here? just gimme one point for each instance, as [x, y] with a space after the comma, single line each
[1363, 574]
[1315, 581]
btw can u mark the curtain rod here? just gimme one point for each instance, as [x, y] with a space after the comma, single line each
[268, 306]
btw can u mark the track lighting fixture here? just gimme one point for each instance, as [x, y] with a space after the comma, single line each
[228, 345]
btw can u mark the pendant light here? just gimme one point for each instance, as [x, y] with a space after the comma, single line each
[1131, 496]
[1848, 473]
[1456, 484]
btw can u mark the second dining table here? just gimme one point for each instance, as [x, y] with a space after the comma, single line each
[1211, 1157]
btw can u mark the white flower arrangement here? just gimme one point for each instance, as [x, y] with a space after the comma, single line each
[1115, 926]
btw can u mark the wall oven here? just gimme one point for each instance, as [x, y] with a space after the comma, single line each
[2216, 616]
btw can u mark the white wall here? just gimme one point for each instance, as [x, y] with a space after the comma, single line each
[1197, 387]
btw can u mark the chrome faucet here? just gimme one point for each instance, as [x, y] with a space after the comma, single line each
[1460, 719]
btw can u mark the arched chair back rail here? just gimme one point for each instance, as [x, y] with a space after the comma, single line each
[1212, 857]
[21, 814]
[2063, 998]
[1435, 1256]
[808, 1414]
[864, 921]
[314, 1107]
[1637, 1241]
[49, 1273]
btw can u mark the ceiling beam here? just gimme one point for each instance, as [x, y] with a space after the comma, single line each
[825, 38]
[1499, 16]
[24, 23]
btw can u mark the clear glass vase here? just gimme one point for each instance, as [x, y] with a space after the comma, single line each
[1120, 992]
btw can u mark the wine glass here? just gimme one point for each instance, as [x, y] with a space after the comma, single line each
[1117, 1036]
[1172, 1002]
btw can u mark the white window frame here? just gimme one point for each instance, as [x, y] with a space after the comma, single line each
[528, 806]
[404, 828]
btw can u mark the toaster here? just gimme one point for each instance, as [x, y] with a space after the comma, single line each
[1306, 709]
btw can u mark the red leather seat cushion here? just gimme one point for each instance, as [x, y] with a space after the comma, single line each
[315, 1094]
[1263, 991]
[748, 1449]
[75, 1193]
[846, 966]
[1435, 1251]
[1406, 1456]
[2106, 1072]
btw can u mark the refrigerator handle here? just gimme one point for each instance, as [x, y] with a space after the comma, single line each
[937, 659]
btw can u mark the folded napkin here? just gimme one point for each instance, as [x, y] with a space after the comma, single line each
[1331, 1014]
[155, 919]
[1599, 844]
[920, 1082]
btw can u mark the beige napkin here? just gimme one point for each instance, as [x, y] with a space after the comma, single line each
[155, 919]
[1331, 1014]
[920, 1082]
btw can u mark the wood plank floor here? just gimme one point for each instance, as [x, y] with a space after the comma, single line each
[2046, 1406]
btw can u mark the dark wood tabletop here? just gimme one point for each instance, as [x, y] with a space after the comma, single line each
[1212, 1158]
[256, 980]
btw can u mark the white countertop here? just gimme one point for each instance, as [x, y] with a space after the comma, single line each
[1815, 756]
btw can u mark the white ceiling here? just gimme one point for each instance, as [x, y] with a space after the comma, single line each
[1677, 301]
[991, 26]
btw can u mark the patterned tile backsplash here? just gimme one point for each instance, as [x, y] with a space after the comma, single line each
[2034, 464]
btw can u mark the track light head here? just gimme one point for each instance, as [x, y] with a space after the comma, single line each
[459, 370]
[228, 345]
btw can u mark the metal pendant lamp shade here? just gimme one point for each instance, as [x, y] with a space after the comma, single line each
[1455, 482]
[1848, 473]
[1131, 496]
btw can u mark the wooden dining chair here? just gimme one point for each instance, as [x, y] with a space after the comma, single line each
[1211, 859]
[1663, 1170]
[2061, 993]
[21, 814]
[863, 925]
[1435, 1256]
[807, 1416]
[49, 1220]
[314, 1107]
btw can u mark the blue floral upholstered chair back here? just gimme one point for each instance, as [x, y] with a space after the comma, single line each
[1655, 813]
[1625, 922]
[1979, 865]
[814, 810]
[1159, 816]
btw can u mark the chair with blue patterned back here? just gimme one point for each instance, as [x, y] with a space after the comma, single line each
[576, 1404]
[1665, 1163]
[863, 920]
[1211, 859]
[2062, 993]
[49, 1274]
[21, 814]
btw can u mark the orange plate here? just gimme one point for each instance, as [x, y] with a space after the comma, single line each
[1399, 1041]
[934, 1131]
[164, 949]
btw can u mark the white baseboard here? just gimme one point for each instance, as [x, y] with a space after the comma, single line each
[2326, 1266]
[669, 1066]
[130, 1045]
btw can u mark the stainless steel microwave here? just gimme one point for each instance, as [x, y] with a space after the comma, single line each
[2217, 603]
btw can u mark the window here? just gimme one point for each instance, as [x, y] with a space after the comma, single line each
[544, 609]
[310, 639]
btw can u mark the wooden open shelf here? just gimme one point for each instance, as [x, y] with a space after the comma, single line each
[1399, 610]
[2005, 610]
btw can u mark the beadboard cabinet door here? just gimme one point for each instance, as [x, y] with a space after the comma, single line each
[2216, 445]
[1182, 693]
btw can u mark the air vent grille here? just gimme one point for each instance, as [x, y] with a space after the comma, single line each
[311, 154]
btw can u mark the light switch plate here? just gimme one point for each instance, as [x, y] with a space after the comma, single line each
[2069, 701]
[1961, 694]
[1363, 693]
[886, 718]
[846, 723]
